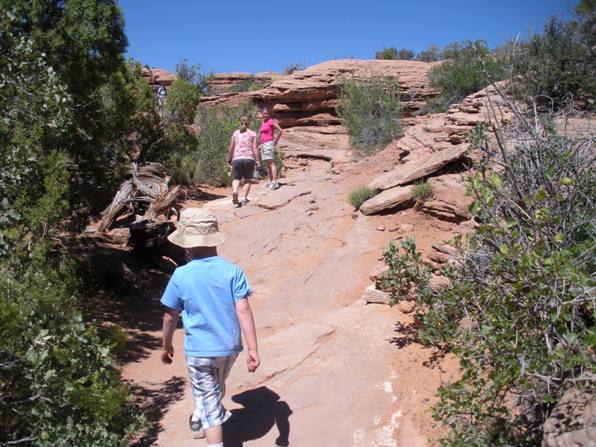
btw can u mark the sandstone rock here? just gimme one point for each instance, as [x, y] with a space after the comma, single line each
[373, 295]
[379, 269]
[438, 282]
[572, 422]
[438, 257]
[407, 306]
[447, 249]
[434, 125]
[386, 200]
[157, 77]
[404, 228]
[418, 168]
[449, 198]
[381, 228]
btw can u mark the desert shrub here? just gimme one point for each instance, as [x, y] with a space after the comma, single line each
[421, 191]
[392, 53]
[191, 73]
[556, 67]
[406, 275]
[431, 54]
[520, 310]
[205, 161]
[360, 195]
[249, 85]
[469, 68]
[68, 103]
[369, 109]
[292, 68]
[389, 53]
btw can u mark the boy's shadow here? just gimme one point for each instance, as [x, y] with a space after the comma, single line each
[262, 410]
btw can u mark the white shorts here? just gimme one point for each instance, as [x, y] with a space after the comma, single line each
[268, 150]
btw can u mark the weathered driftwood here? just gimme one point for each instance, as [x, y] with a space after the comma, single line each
[147, 191]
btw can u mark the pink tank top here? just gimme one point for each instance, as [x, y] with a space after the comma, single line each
[267, 130]
[243, 144]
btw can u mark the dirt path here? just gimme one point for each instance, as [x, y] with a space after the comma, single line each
[335, 372]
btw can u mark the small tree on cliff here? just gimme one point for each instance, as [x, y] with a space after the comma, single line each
[389, 53]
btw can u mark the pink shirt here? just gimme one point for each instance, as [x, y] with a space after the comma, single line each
[267, 130]
[243, 142]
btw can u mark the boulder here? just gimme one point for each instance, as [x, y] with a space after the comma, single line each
[387, 200]
[572, 422]
[373, 295]
[418, 168]
[449, 198]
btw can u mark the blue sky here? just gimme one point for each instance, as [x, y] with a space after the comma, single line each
[225, 36]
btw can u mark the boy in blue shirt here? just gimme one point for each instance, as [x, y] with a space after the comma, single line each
[211, 294]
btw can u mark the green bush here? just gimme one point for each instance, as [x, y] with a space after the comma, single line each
[249, 85]
[369, 109]
[206, 160]
[557, 67]
[463, 73]
[431, 54]
[360, 195]
[421, 191]
[406, 276]
[519, 313]
[389, 53]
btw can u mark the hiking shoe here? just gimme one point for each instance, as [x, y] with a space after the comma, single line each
[276, 185]
[196, 428]
[235, 198]
[244, 202]
[268, 185]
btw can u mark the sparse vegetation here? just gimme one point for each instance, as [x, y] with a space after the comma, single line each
[369, 108]
[520, 310]
[292, 68]
[392, 53]
[431, 54]
[249, 85]
[421, 191]
[406, 276]
[360, 195]
[464, 72]
[192, 74]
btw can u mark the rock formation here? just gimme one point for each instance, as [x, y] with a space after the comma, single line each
[226, 82]
[156, 77]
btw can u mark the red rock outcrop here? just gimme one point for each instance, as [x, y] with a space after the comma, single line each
[309, 97]
[223, 83]
[157, 77]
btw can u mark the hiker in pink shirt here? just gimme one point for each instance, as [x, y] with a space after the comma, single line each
[243, 156]
[268, 147]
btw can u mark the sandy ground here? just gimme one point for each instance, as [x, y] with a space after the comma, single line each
[335, 371]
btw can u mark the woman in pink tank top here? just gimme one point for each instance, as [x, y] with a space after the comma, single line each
[268, 144]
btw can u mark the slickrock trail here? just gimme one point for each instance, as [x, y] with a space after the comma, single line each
[335, 371]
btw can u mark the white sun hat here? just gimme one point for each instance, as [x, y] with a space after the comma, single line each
[197, 227]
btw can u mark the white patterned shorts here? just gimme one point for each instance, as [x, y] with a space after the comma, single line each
[208, 380]
[268, 150]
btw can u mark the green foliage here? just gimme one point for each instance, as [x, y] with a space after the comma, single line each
[389, 53]
[192, 74]
[421, 191]
[369, 109]
[71, 114]
[556, 67]
[57, 382]
[205, 161]
[392, 53]
[360, 195]
[249, 85]
[520, 311]
[406, 275]
[469, 68]
[431, 54]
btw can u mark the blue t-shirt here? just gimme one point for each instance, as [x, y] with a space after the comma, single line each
[206, 291]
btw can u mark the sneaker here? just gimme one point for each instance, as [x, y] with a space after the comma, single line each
[276, 185]
[196, 428]
[269, 185]
[244, 202]
[235, 198]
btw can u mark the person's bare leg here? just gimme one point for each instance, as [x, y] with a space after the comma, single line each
[246, 189]
[235, 185]
[270, 170]
[214, 434]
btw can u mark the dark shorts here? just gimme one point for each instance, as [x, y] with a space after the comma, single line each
[243, 169]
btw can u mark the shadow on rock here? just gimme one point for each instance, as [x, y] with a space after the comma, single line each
[154, 404]
[262, 410]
